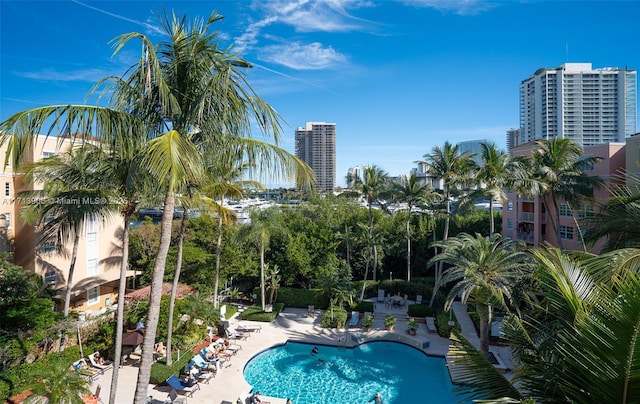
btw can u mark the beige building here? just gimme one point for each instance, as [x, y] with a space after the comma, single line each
[97, 270]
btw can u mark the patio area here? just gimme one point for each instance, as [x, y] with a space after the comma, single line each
[293, 324]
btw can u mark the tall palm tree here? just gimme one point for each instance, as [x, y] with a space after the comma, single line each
[71, 198]
[496, 171]
[372, 185]
[482, 270]
[558, 172]
[181, 89]
[454, 168]
[414, 193]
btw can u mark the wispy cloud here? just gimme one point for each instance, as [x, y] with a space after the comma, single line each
[302, 16]
[148, 26]
[299, 56]
[88, 75]
[460, 7]
[293, 78]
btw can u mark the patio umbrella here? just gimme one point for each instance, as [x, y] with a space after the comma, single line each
[133, 337]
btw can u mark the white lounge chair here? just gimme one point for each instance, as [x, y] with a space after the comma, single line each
[381, 295]
[419, 299]
[249, 328]
[102, 368]
[233, 333]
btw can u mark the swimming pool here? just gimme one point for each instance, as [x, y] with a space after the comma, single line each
[400, 373]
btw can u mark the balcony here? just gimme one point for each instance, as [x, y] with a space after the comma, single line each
[526, 216]
[527, 237]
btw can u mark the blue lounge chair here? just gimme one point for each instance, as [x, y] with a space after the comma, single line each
[355, 318]
[180, 387]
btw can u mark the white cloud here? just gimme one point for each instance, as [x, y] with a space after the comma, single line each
[88, 75]
[298, 56]
[303, 16]
[460, 7]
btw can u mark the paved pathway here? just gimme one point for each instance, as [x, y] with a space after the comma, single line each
[292, 324]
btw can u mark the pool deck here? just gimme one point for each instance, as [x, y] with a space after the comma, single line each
[293, 324]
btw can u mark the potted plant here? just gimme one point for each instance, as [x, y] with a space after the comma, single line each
[412, 326]
[389, 322]
[367, 322]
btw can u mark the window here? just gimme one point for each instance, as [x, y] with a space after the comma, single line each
[50, 278]
[509, 224]
[7, 189]
[566, 232]
[93, 295]
[510, 205]
[565, 210]
[7, 220]
[49, 248]
[46, 154]
[585, 212]
[92, 267]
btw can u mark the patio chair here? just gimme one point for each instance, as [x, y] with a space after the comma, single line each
[90, 374]
[229, 347]
[103, 368]
[419, 299]
[180, 387]
[249, 328]
[204, 364]
[233, 333]
[381, 295]
[406, 300]
[355, 318]
[173, 398]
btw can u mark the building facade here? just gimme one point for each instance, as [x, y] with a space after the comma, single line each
[315, 144]
[574, 101]
[97, 270]
[525, 218]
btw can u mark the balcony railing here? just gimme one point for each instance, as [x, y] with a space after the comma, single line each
[526, 236]
[526, 216]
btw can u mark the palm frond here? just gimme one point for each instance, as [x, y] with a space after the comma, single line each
[477, 377]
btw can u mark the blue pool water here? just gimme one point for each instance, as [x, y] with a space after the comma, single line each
[400, 373]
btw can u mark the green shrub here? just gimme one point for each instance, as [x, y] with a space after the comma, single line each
[24, 376]
[231, 310]
[364, 307]
[420, 310]
[255, 313]
[161, 372]
[442, 322]
[335, 318]
[423, 287]
[301, 298]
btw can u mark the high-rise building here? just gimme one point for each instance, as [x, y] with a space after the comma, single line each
[589, 106]
[352, 174]
[316, 146]
[513, 137]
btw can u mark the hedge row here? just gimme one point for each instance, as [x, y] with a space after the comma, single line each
[161, 372]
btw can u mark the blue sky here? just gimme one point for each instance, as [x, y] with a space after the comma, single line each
[397, 77]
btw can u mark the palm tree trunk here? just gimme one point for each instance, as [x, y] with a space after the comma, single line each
[485, 324]
[409, 246]
[67, 294]
[218, 254]
[445, 236]
[120, 310]
[176, 279]
[366, 274]
[492, 226]
[72, 268]
[347, 235]
[373, 243]
[262, 291]
[146, 361]
[555, 218]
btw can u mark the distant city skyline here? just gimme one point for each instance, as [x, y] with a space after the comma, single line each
[397, 77]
